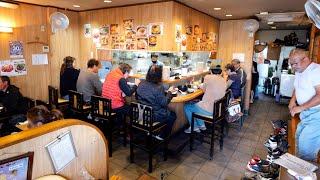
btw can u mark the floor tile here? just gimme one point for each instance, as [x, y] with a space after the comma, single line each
[229, 174]
[126, 174]
[204, 176]
[185, 172]
[212, 168]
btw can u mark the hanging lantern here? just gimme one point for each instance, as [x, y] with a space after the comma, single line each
[251, 26]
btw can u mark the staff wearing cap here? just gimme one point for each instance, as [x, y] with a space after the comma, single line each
[154, 60]
[307, 95]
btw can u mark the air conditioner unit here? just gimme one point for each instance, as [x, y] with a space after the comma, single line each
[281, 17]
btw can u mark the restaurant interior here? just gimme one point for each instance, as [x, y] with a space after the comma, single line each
[159, 89]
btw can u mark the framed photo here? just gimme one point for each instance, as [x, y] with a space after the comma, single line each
[114, 29]
[16, 49]
[128, 24]
[61, 151]
[18, 167]
[142, 31]
[156, 28]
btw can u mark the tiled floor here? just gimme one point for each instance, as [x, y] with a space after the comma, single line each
[229, 163]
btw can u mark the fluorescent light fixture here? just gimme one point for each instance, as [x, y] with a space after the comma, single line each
[228, 15]
[107, 1]
[217, 9]
[273, 27]
[9, 5]
[76, 6]
[264, 13]
[270, 22]
[6, 29]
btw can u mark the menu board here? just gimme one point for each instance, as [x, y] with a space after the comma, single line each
[15, 67]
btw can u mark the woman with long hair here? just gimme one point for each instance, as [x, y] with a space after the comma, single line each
[68, 77]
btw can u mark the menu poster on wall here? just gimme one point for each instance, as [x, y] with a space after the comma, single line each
[204, 37]
[178, 33]
[104, 30]
[128, 24]
[13, 67]
[142, 31]
[142, 43]
[189, 30]
[183, 42]
[16, 49]
[129, 34]
[87, 30]
[196, 30]
[152, 40]
[156, 28]
[130, 46]
[95, 35]
[39, 59]
[114, 29]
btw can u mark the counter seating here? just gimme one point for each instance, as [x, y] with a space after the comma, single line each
[77, 105]
[143, 130]
[89, 143]
[104, 118]
[214, 124]
[54, 100]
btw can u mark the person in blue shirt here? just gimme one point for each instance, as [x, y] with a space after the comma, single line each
[234, 81]
[154, 60]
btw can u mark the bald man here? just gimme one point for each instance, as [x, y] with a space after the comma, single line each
[307, 94]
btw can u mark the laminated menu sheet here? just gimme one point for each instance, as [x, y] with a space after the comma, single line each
[296, 164]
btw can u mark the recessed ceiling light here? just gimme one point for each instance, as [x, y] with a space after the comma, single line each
[270, 22]
[107, 1]
[76, 6]
[228, 15]
[273, 27]
[216, 9]
[264, 13]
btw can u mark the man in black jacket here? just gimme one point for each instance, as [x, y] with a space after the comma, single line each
[11, 98]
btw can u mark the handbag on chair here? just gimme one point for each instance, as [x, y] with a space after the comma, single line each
[234, 111]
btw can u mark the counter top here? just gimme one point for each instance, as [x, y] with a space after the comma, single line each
[172, 81]
[187, 97]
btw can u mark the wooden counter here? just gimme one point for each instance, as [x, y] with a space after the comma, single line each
[187, 97]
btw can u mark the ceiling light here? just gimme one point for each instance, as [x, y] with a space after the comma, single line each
[9, 5]
[228, 15]
[273, 27]
[270, 22]
[6, 29]
[76, 6]
[107, 1]
[216, 9]
[264, 13]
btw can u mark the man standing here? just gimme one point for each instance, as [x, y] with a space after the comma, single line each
[239, 71]
[154, 60]
[307, 94]
[88, 81]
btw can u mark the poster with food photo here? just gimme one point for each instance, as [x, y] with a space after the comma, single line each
[152, 40]
[95, 35]
[196, 30]
[114, 29]
[104, 40]
[128, 24]
[19, 66]
[16, 49]
[129, 34]
[87, 30]
[7, 68]
[142, 31]
[104, 30]
[183, 42]
[178, 33]
[142, 43]
[189, 30]
[156, 28]
[130, 46]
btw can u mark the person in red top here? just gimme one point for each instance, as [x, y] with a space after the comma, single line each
[115, 87]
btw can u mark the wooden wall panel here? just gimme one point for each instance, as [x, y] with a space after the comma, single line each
[234, 39]
[27, 21]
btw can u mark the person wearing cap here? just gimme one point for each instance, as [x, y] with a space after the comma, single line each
[214, 88]
[154, 60]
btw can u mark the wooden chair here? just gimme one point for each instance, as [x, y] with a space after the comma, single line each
[77, 105]
[40, 102]
[104, 118]
[54, 100]
[216, 120]
[29, 102]
[143, 129]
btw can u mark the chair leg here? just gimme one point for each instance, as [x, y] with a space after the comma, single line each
[110, 142]
[165, 152]
[124, 132]
[191, 134]
[212, 142]
[131, 147]
[150, 161]
[227, 125]
[222, 134]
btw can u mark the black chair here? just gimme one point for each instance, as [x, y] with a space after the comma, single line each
[143, 129]
[215, 126]
[40, 102]
[30, 103]
[54, 100]
[228, 97]
[104, 118]
[77, 105]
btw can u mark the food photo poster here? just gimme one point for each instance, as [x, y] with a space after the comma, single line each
[15, 67]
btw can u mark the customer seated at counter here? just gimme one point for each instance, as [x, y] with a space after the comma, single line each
[68, 77]
[115, 87]
[11, 101]
[214, 88]
[88, 82]
[40, 115]
[233, 81]
[151, 92]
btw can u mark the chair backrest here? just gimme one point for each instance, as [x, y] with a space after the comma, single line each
[53, 96]
[76, 100]
[141, 116]
[40, 102]
[219, 109]
[100, 107]
[30, 103]
[228, 96]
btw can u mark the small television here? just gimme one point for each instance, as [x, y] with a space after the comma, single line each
[17, 167]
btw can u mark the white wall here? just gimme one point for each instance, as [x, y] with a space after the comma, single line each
[271, 35]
